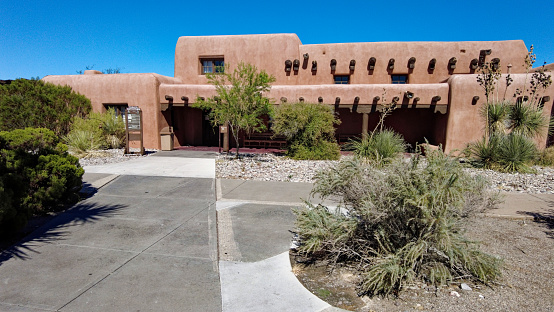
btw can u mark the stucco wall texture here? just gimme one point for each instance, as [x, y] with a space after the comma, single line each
[446, 93]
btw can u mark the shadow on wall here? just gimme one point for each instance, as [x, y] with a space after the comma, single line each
[54, 231]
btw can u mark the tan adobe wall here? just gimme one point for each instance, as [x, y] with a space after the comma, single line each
[269, 52]
[465, 123]
[264, 51]
[132, 89]
[329, 93]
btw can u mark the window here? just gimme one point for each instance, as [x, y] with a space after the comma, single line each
[118, 108]
[212, 66]
[342, 79]
[399, 79]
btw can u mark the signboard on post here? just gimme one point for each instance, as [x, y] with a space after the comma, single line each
[133, 129]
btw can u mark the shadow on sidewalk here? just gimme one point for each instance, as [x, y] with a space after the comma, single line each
[53, 229]
[545, 218]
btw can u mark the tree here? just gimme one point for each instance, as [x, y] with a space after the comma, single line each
[240, 101]
[34, 103]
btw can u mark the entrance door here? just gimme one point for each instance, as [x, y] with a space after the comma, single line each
[209, 132]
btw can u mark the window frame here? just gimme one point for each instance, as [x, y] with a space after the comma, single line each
[341, 82]
[119, 108]
[406, 79]
[217, 65]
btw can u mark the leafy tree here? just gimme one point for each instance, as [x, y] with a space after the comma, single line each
[34, 103]
[240, 101]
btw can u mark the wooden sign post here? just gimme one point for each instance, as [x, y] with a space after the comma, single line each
[133, 129]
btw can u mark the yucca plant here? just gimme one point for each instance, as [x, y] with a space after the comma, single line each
[496, 113]
[400, 223]
[527, 119]
[380, 147]
[516, 152]
[81, 142]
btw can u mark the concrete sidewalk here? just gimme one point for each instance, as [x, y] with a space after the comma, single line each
[141, 243]
[160, 233]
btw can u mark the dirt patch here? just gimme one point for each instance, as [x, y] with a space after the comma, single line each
[527, 248]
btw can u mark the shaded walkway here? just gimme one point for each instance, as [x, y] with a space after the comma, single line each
[142, 242]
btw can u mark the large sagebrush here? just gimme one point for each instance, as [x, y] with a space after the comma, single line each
[401, 223]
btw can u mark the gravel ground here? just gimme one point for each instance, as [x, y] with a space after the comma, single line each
[526, 285]
[111, 156]
[268, 167]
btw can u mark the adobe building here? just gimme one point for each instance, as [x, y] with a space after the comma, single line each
[433, 85]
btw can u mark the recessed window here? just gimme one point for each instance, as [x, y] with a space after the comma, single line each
[399, 79]
[342, 79]
[119, 109]
[212, 66]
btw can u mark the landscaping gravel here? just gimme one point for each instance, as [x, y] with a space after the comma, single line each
[269, 167]
[111, 156]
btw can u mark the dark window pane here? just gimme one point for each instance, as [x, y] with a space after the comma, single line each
[342, 79]
[399, 79]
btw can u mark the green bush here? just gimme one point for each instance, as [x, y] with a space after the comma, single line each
[96, 131]
[34, 103]
[37, 175]
[323, 150]
[309, 130]
[380, 147]
[400, 223]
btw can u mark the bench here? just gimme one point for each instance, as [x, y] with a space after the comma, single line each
[264, 140]
[344, 138]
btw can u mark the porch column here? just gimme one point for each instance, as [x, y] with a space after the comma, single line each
[226, 138]
[365, 125]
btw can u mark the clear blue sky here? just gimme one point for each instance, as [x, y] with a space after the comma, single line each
[39, 38]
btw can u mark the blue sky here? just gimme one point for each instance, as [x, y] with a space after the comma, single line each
[39, 38]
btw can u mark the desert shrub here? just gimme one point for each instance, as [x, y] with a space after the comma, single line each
[309, 130]
[34, 103]
[380, 147]
[399, 223]
[96, 131]
[546, 157]
[323, 150]
[37, 175]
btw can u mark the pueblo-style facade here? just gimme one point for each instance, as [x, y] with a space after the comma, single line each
[433, 84]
